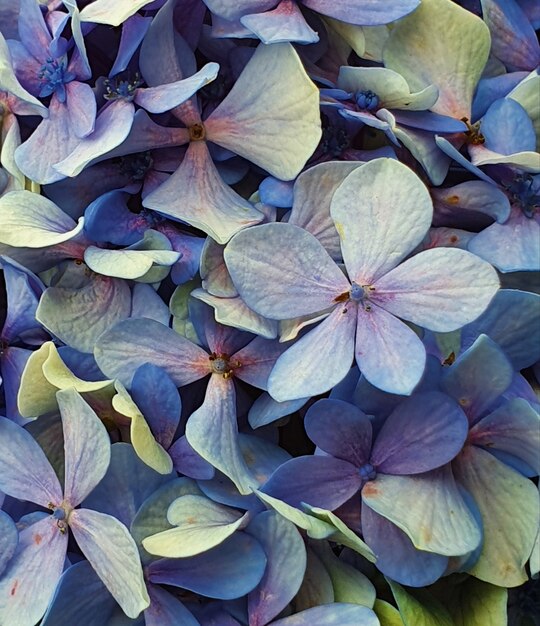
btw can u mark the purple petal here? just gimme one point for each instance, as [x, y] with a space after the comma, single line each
[507, 128]
[258, 359]
[427, 120]
[389, 354]
[111, 128]
[440, 289]
[9, 538]
[166, 610]
[266, 410]
[513, 39]
[65, 608]
[212, 431]
[332, 614]
[207, 202]
[32, 573]
[478, 377]
[165, 97]
[428, 507]
[340, 429]
[229, 571]
[132, 343]
[514, 427]
[157, 397]
[126, 485]
[25, 472]
[284, 573]
[397, 557]
[109, 547]
[86, 445]
[298, 275]
[284, 23]
[382, 212]
[424, 432]
[188, 462]
[317, 361]
[320, 481]
[453, 204]
[51, 142]
[133, 31]
[33, 31]
[82, 108]
[364, 12]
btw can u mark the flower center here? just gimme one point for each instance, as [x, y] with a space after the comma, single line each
[357, 293]
[367, 472]
[61, 514]
[366, 100]
[196, 132]
[54, 76]
[523, 193]
[222, 365]
[473, 134]
[122, 88]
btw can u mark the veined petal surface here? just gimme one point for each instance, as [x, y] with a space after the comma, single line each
[381, 211]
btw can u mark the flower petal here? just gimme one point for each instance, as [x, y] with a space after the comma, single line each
[396, 555]
[320, 481]
[207, 202]
[109, 547]
[229, 571]
[340, 429]
[32, 221]
[413, 50]
[382, 211]
[389, 354]
[271, 115]
[282, 271]
[32, 573]
[284, 573]
[428, 508]
[509, 506]
[86, 445]
[199, 525]
[440, 289]
[341, 613]
[25, 472]
[422, 433]
[132, 343]
[319, 360]
[514, 427]
[212, 431]
[79, 316]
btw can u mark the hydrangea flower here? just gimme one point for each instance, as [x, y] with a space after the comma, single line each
[439, 289]
[38, 561]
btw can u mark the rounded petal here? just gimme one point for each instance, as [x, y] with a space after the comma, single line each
[317, 361]
[440, 289]
[281, 271]
[389, 354]
[381, 211]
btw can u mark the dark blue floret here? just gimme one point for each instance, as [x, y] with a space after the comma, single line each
[54, 77]
[366, 100]
[523, 193]
[367, 472]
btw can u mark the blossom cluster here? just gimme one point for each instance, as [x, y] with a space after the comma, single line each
[270, 335]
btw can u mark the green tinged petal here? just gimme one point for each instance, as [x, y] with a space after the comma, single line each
[424, 612]
[142, 439]
[444, 45]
